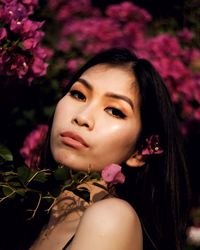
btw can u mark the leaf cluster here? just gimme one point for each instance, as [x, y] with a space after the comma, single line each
[38, 188]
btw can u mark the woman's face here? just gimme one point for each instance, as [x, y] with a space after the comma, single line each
[98, 121]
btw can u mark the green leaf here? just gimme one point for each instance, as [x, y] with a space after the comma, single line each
[95, 175]
[10, 178]
[29, 114]
[5, 153]
[7, 191]
[80, 176]
[21, 192]
[48, 110]
[55, 191]
[68, 185]
[61, 174]
[24, 173]
[40, 177]
[16, 184]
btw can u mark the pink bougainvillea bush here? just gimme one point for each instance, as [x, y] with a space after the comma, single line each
[21, 52]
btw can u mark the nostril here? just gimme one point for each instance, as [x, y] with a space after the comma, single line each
[85, 124]
[81, 123]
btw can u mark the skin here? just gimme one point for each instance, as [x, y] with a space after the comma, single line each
[109, 125]
[103, 107]
[109, 224]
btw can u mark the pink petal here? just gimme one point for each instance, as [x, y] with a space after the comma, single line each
[112, 174]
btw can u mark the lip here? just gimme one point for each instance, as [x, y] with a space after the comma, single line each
[73, 139]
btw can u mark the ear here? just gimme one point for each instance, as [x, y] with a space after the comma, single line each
[136, 160]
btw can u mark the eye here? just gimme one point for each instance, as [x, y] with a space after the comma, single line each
[76, 94]
[116, 112]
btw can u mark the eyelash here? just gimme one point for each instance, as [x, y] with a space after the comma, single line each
[77, 95]
[115, 112]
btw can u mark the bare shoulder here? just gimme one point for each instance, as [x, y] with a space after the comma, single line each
[115, 210]
[112, 223]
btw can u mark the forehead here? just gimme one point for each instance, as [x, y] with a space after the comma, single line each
[112, 78]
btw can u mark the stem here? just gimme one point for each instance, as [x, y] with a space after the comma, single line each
[48, 209]
[35, 210]
[44, 170]
[6, 197]
[10, 173]
[85, 177]
[68, 185]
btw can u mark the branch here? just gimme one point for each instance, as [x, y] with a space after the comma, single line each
[37, 206]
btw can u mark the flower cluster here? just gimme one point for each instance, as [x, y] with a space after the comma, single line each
[152, 146]
[31, 145]
[89, 29]
[85, 30]
[177, 65]
[21, 53]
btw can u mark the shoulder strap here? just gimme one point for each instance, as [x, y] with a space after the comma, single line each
[67, 244]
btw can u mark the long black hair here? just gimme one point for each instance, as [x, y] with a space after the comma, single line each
[159, 190]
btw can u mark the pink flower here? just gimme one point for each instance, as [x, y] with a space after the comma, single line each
[112, 174]
[30, 27]
[39, 68]
[30, 43]
[43, 52]
[3, 33]
[11, 10]
[128, 11]
[64, 45]
[72, 65]
[30, 2]
[153, 146]
[197, 114]
[186, 35]
[31, 145]
[19, 66]
[21, 53]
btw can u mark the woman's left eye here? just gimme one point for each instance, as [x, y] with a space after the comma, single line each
[116, 112]
[77, 95]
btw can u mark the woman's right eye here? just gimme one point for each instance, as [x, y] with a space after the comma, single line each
[76, 94]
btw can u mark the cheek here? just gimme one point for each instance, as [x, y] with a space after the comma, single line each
[59, 123]
[117, 141]
[123, 134]
[62, 116]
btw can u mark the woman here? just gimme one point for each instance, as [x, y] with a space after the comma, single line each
[116, 109]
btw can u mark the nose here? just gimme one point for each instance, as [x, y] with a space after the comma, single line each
[84, 118]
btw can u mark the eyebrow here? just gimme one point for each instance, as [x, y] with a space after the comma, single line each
[112, 95]
[85, 83]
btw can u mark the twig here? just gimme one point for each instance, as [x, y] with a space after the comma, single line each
[2, 199]
[35, 210]
[32, 177]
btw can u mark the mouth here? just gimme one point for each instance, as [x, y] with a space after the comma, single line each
[73, 140]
